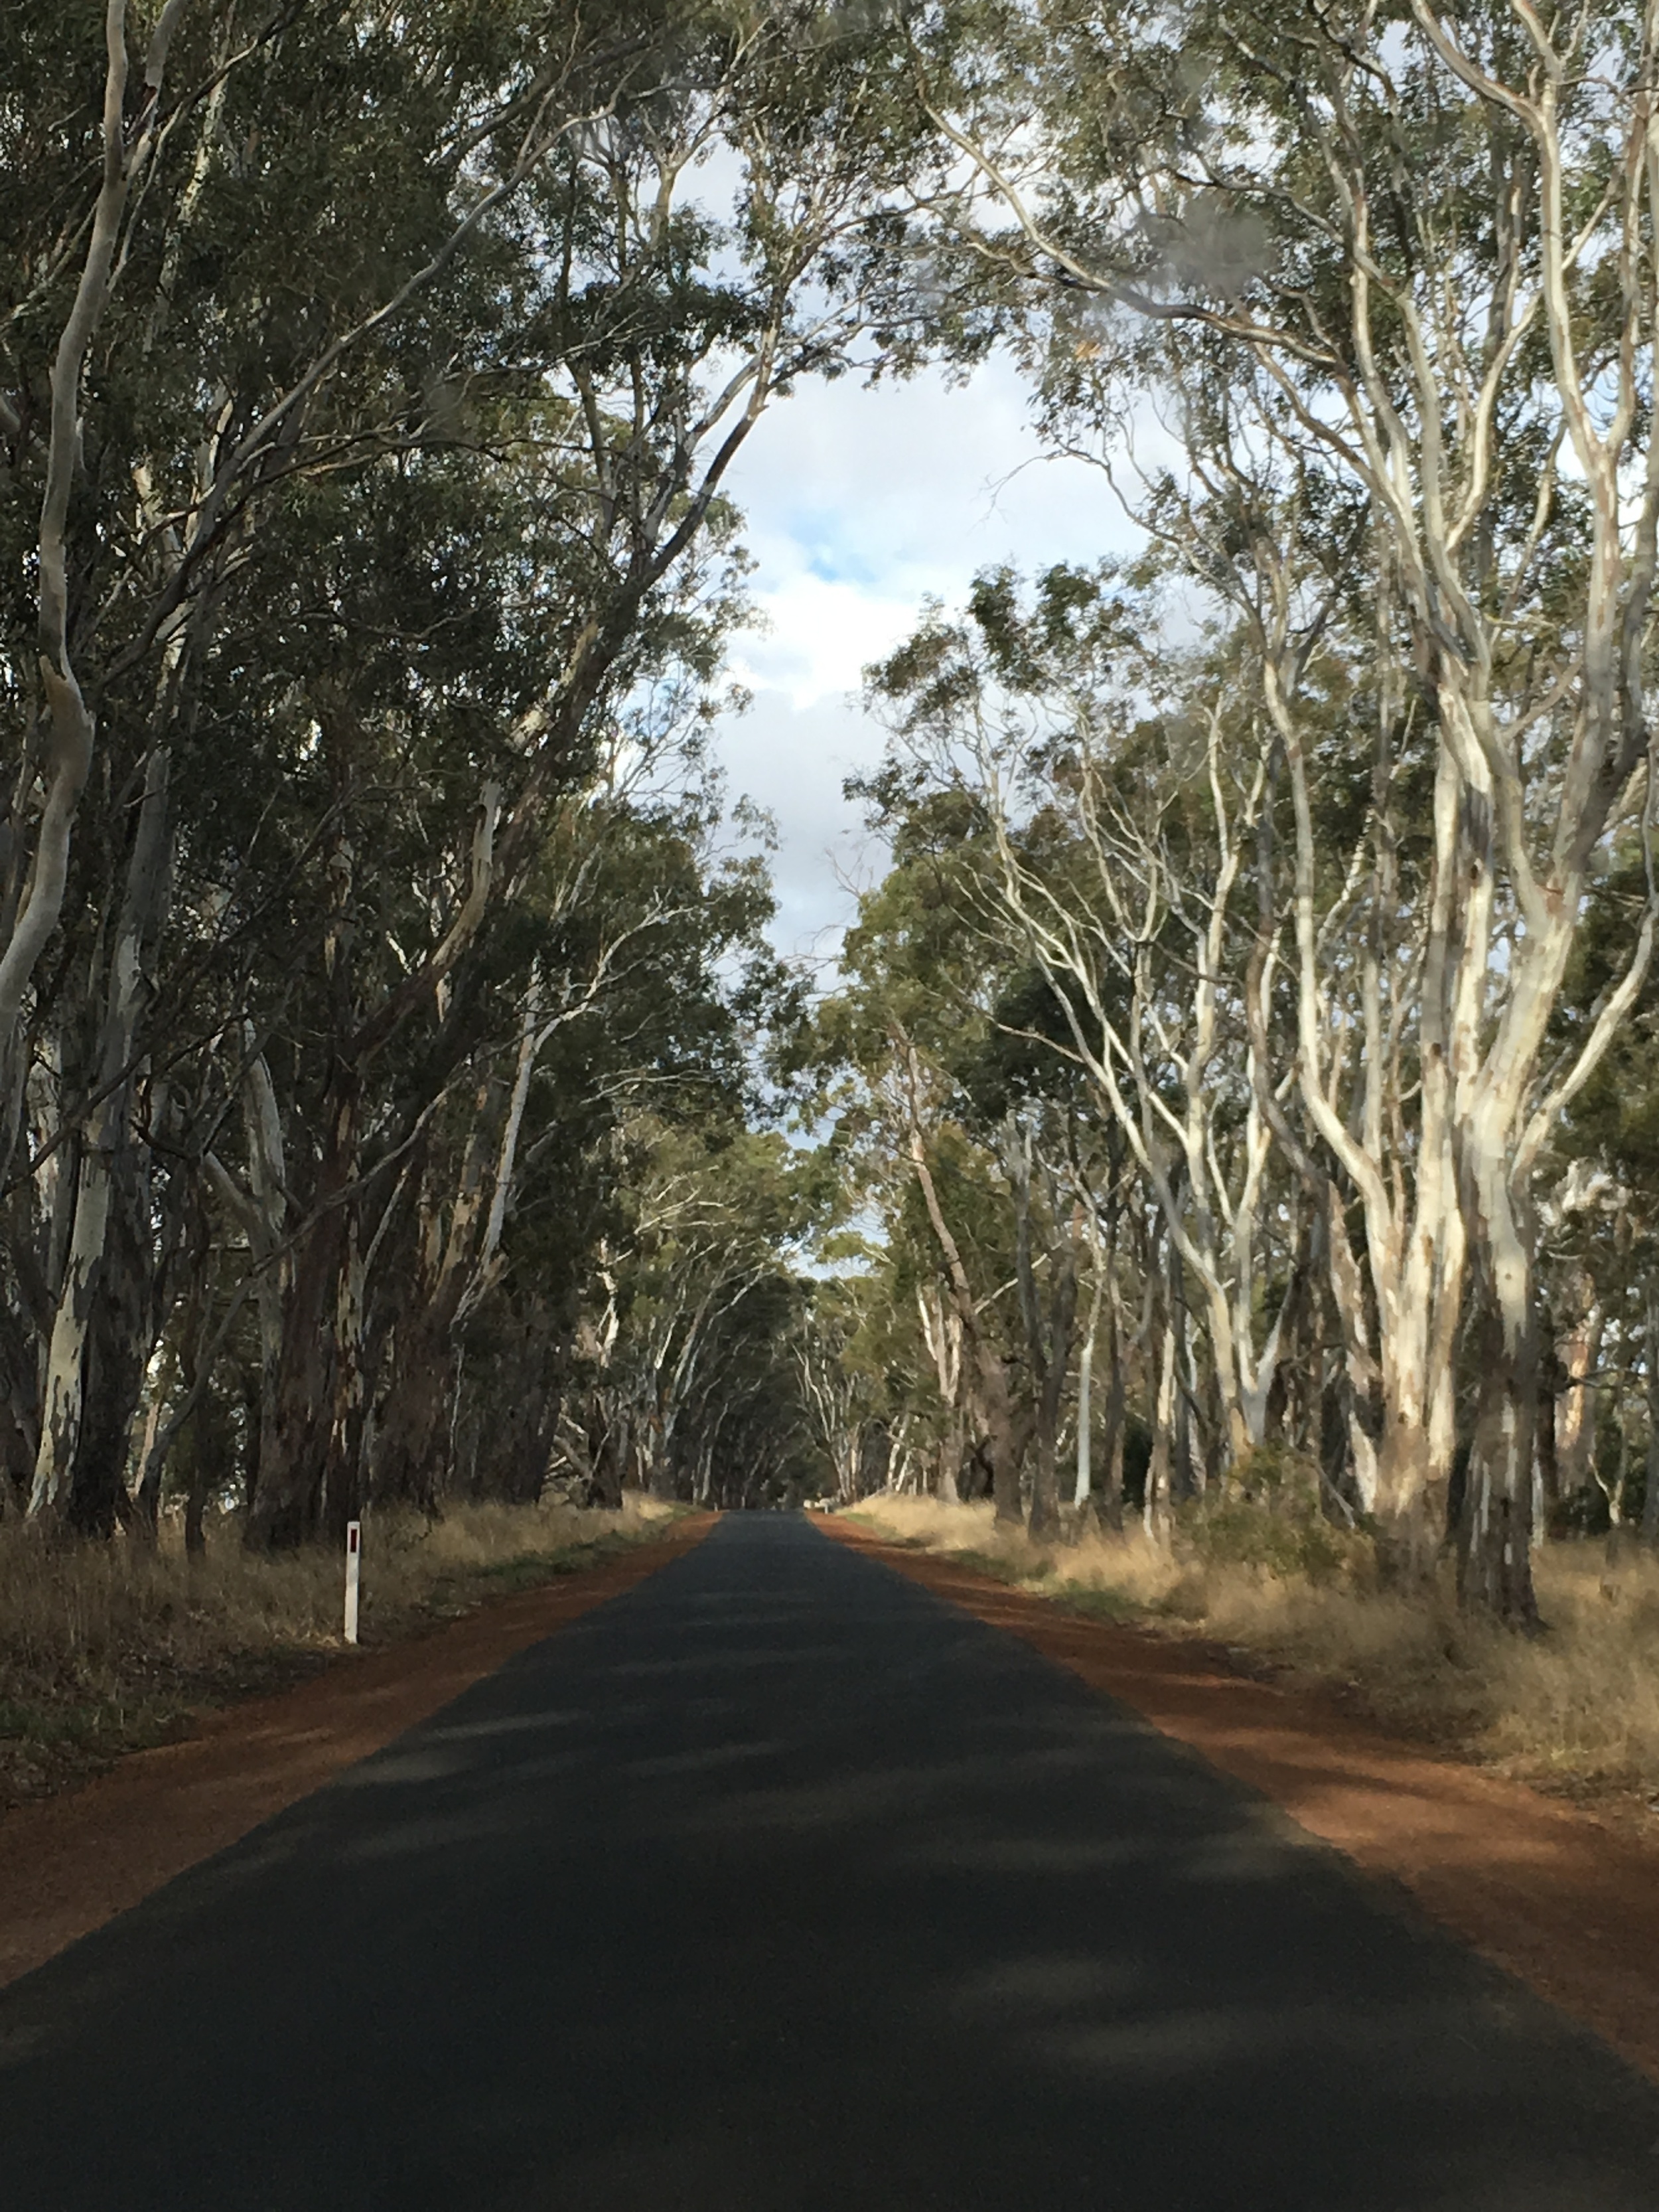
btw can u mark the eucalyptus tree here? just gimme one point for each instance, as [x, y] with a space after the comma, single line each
[479, 1350]
[1123, 799]
[694, 1349]
[1599, 1256]
[1398, 270]
[921, 976]
[374, 377]
[648, 981]
[844, 1355]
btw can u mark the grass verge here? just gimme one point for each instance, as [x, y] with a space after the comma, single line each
[110, 1648]
[1575, 1710]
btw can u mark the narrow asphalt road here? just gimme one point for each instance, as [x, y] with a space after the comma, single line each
[777, 1883]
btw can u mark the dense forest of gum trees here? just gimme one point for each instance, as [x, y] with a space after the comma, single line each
[377, 968]
[1239, 1086]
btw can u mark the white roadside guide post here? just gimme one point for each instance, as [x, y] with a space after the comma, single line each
[354, 1569]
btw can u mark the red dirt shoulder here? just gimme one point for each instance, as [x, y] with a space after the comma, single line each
[69, 1863]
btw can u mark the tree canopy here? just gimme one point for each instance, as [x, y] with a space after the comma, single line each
[1240, 1060]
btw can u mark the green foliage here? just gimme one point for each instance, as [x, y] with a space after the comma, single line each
[398, 524]
[1269, 1515]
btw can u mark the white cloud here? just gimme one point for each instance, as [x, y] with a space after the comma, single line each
[859, 505]
[793, 759]
[820, 636]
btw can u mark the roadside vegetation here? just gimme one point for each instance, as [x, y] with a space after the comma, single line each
[1231, 1112]
[1575, 1712]
[110, 1648]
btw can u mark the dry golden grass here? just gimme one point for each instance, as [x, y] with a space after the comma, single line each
[104, 1647]
[1576, 1709]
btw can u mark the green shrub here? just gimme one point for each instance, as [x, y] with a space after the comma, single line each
[1268, 1514]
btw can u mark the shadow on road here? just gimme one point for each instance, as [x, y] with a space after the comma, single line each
[779, 1883]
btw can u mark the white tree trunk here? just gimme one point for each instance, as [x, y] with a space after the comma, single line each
[107, 1137]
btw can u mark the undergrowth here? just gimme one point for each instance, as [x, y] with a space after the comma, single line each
[1576, 1709]
[106, 1647]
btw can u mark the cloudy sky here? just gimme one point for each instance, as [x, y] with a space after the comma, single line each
[859, 503]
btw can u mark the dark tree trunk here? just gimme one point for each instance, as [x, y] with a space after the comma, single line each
[1549, 1459]
[212, 1464]
[410, 1458]
[1004, 1430]
[1495, 1548]
[117, 1351]
[289, 1492]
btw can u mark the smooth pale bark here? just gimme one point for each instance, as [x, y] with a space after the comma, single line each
[321, 1320]
[941, 1331]
[1155, 1512]
[127, 147]
[147, 1493]
[1003, 1421]
[1410, 400]
[1482, 1109]
[1579, 1354]
[69, 723]
[88, 1488]
[828, 1389]
[1083, 1488]
[1134, 1058]
[1414, 1234]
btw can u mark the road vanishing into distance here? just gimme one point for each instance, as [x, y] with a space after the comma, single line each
[777, 1882]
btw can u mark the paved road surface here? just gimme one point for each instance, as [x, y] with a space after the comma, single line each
[777, 1883]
